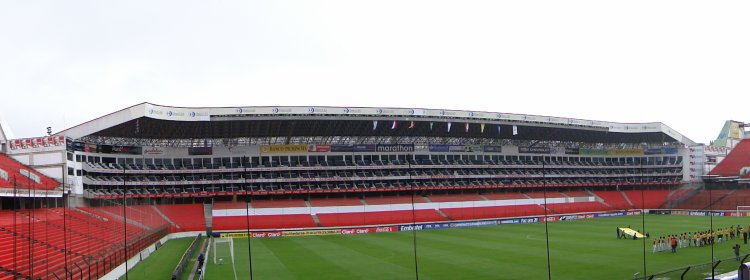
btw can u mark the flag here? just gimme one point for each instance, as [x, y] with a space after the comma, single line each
[515, 130]
[467, 127]
[411, 125]
[431, 123]
[481, 128]
[374, 125]
[394, 125]
[449, 127]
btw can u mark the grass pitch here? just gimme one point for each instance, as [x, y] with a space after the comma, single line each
[162, 262]
[584, 249]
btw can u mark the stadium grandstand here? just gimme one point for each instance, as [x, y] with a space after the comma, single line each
[83, 201]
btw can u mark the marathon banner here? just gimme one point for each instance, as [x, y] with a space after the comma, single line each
[394, 148]
[534, 150]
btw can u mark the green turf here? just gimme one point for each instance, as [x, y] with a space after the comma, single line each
[584, 249]
[162, 262]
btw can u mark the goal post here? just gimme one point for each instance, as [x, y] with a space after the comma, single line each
[223, 250]
[743, 210]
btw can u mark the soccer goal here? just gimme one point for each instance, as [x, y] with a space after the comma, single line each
[743, 211]
[223, 251]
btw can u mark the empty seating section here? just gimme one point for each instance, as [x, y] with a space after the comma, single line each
[149, 180]
[142, 214]
[503, 196]
[218, 205]
[16, 178]
[616, 199]
[703, 199]
[187, 217]
[493, 212]
[735, 160]
[280, 203]
[41, 242]
[455, 197]
[264, 222]
[731, 200]
[542, 194]
[379, 218]
[576, 194]
[647, 199]
[335, 202]
[392, 200]
[577, 207]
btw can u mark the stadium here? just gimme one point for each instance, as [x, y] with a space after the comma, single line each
[370, 193]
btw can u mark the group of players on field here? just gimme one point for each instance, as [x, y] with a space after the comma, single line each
[697, 239]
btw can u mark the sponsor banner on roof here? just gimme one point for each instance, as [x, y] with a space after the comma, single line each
[176, 114]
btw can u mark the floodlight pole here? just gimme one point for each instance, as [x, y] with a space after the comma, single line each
[546, 228]
[125, 216]
[245, 161]
[414, 222]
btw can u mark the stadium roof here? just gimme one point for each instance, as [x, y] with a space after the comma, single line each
[149, 121]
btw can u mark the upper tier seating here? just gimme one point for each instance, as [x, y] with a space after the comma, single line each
[736, 160]
[13, 169]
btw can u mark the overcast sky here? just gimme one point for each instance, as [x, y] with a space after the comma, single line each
[683, 63]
